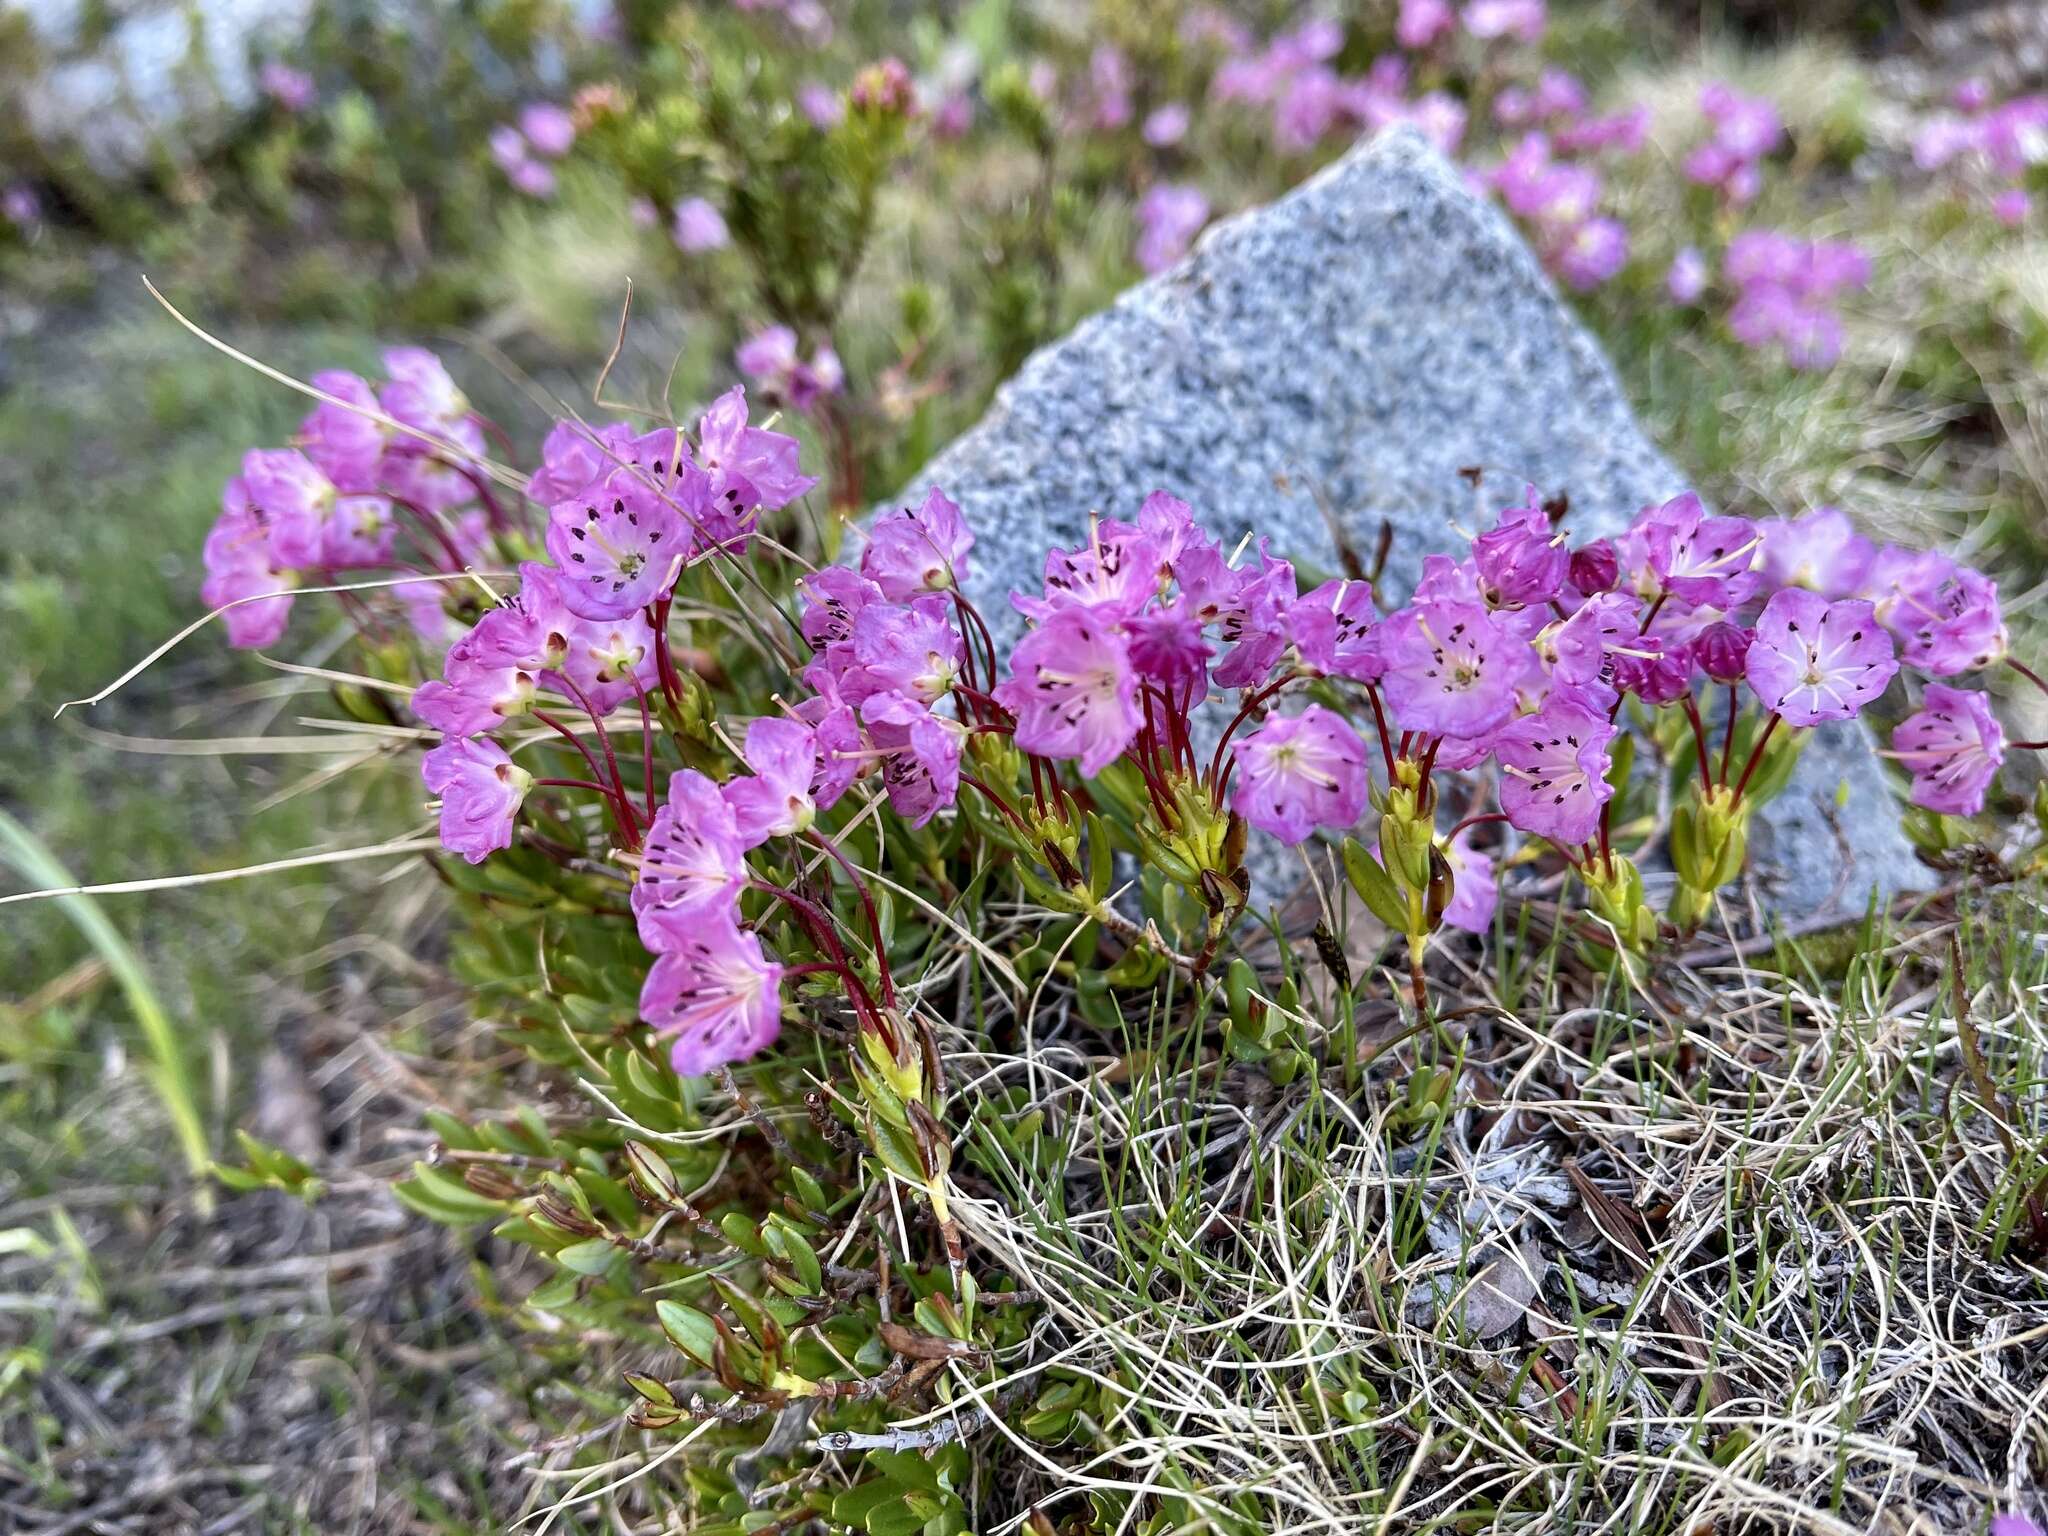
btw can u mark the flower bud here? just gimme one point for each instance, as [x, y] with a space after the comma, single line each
[885, 89]
[1595, 569]
[1722, 651]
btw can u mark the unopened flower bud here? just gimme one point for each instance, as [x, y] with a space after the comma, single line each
[884, 88]
[1722, 651]
[1594, 569]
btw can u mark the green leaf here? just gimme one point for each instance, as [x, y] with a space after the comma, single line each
[20, 849]
[1375, 886]
[688, 1329]
[434, 1194]
[592, 1257]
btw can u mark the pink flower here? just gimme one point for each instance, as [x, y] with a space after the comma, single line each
[292, 89]
[617, 546]
[733, 453]
[1955, 627]
[1701, 560]
[699, 227]
[716, 994]
[424, 604]
[1073, 690]
[1166, 126]
[1250, 612]
[1166, 647]
[2011, 207]
[1116, 571]
[884, 88]
[1655, 668]
[842, 756]
[1297, 773]
[508, 147]
[1475, 892]
[1624, 131]
[910, 553]
[608, 660]
[292, 498]
[1580, 650]
[1422, 23]
[2013, 1525]
[833, 598]
[1554, 767]
[776, 800]
[1523, 20]
[1169, 218]
[1522, 561]
[242, 571]
[359, 531]
[909, 650]
[534, 179]
[692, 864]
[921, 768]
[1333, 628]
[20, 206]
[346, 444]
[953, 116]
[1109, 81]
[1821, 551]
[1952, 745]
[1813, 660]
[1450, 669]
[1746, 127]
[481, 790]
[1941, 139]
[420, 393]
[473, 694]
[549, 129]
[820, 104]
[771, 357]
[1687, 279]
[574, 457]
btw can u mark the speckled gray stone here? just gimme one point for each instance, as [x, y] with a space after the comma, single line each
[168, 75]
[1353, 347]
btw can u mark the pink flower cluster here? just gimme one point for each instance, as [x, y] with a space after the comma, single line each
[1170, 215]
[698, 226]
[886, 650]
[771, 358]
[1559, 201]
[1785, 291]
[1498, 682]
[1742, 131]
[544, 133]
[1998, 144]
[627, 511]
[884, 654]
[1519, 654]
[331, 503]
[1309, 100]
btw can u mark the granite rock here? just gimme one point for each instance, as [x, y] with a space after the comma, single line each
[161, 76]
[1339, 360]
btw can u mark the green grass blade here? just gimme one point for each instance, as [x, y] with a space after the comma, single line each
[25, 853]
